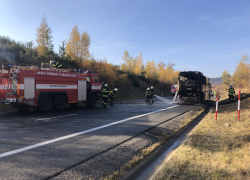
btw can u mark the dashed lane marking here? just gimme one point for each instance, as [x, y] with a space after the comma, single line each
[76, 134]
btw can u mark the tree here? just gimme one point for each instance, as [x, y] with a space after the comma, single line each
[161, 71]
[225, 77]
[44, 38]
[78, 46]
[150, 70]
[242, 72]
[62, 49]
[29, 55]
[138, 65]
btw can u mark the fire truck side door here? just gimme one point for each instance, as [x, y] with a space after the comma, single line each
[29, 87]
[82, 90]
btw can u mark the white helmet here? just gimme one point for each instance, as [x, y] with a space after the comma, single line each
[116, 89]
[148, 88]
[151, 87]
[106, 85]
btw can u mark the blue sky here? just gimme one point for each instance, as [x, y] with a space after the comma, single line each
[206, 36]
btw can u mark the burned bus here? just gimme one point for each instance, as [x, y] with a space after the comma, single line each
[193, 85]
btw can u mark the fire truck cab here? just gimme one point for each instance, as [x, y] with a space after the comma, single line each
[27, 86]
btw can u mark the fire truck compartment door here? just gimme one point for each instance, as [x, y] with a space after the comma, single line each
[82, 90]
[29, 87]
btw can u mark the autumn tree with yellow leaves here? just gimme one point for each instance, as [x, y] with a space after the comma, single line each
[241, 76]
[132, 65]
[77, 46]
[138, 65]
[44, 38]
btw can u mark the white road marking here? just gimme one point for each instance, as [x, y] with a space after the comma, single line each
[76, 134]
[55, 117]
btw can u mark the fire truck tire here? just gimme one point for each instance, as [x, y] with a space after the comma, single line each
[92, 100]
[59, 102]
[23, 108]
[45, 103]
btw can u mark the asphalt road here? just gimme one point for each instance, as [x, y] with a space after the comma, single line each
[36, 145]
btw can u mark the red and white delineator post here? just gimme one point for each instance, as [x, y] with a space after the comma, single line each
[216, 106]
[239, 106]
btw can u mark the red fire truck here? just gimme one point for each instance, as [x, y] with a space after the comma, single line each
[27, 86]
[174, 88]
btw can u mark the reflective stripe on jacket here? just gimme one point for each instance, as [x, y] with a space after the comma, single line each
[231, 91]
[105, 92]
[111, 94]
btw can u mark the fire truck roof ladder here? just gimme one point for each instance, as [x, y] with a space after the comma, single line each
[7, 100]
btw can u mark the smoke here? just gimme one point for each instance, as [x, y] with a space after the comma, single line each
[6, 55]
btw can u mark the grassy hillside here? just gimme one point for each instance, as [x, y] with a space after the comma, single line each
[132, 92]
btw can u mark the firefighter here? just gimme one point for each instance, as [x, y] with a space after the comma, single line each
[147, 94]
[105, 93]
[151, 93]
[115, 91]
[57, 65]
[231, 93]
[111, 97]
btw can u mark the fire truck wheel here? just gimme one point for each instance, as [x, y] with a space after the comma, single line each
[92, 100]
[45, 103]
[23, 108]
[59, 102]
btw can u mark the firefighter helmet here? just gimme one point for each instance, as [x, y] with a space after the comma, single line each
[151, 87]
[106, 85]
[116, 89]
[231, 86]
[148, 89]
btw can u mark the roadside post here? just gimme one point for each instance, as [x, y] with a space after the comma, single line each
[239, 106]
[216, 106]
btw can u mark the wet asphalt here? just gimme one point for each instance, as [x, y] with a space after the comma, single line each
[22, 156]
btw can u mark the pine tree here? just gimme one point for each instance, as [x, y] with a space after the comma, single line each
[62, 49]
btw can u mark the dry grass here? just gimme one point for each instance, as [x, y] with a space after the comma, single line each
[224, 92]
[214, 150]
[163, 137]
